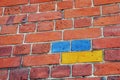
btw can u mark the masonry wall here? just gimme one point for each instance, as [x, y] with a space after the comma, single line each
[59, 39]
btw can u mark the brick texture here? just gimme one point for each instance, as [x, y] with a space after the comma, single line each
[59, 39]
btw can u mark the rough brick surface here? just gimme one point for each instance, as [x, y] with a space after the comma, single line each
[5, 51]
[3, 74]
[112, 55]
[19, 74]
[59, 39]
[10, 62]
[40, 48]
[41, 60]
[82, 70]
[11, 39]
[42, 72]
[60, 71]
[107, 69]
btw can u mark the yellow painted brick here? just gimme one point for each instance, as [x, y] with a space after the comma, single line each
[80, 57]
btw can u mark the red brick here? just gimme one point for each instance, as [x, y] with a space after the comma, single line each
[82, 70]
[82, 12]
[113, 78]
[82, 22]
[83, 3]
[41, 48]
[86, 33]
[41, 60]
[47, 6]
[110, 9]
[64, 5]
[13, 19]
[1, 11]
[5, 50]
[19, 74]
[9, 29]
[40, 1]
[60, 71]
[106, 43]
[112, 55]
[10, 62]
[42, 72]
[44, 16]
[12, 10]
[29, 9]
[100, 2]
[108, 20]
[63, 24]
[43, 37]
[11, 39]
[45, 26]
[3, 74]
[112, 31]
[83, 78]
[30, 27]
[21, 49]
[12, 2]
[107, 69]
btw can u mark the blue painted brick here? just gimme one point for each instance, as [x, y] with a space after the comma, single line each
[80, 45]
[63, 46]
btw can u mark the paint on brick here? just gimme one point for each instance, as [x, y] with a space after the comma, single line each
[60, 46]
[82, 57]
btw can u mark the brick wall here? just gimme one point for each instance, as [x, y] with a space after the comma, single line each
[59, 39]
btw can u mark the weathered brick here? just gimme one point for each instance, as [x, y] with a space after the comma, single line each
[45, 26]
[47, 6]
[3, 74]
[106, 43]
[112, 55]
[63, 46]
[13, 19]
[21, 49]
[12, 10]
[64, 5]
[63, 24]
[12, 2]
[82, 33]
[96, 78]
[110, 9]
[19, 74]
[24, 28]
[1, 11]
[81, 57]
[111, 31]
[5, 50]
[100, 2]
[60, 71]
[82, 12]
[10, 62]
[83, 3]
[113, 78]
[40, 48]
[108, 20]
[48, 36]
[44, 16]
[41, 60]
[40, 1]
[82, 22]
[11, 39]
[82, 70]
[42, 72]
[80, 45]
[29, 9]
[12, 29]
[107, 69]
